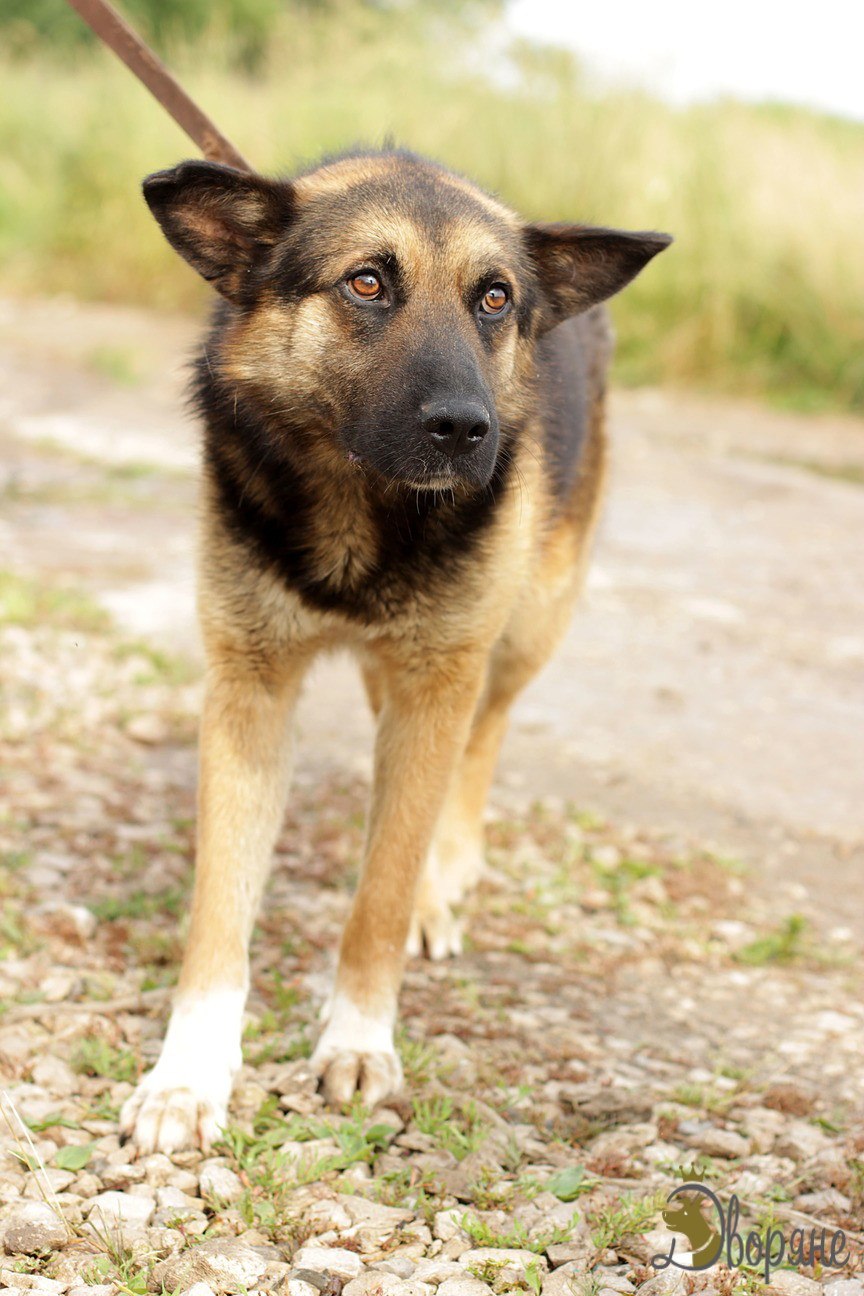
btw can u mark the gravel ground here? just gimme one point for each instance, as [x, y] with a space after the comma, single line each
[630, 1014]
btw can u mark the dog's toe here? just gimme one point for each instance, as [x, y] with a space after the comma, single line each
[435, 932]
[171, 1120]
[375, 1076]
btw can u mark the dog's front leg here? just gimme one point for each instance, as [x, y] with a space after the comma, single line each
[245, 759]
[422, 730]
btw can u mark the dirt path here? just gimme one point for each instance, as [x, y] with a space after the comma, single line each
[712, 682]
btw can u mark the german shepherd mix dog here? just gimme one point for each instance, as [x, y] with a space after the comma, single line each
[402, 394]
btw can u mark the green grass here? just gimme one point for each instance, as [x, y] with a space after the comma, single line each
[30, 603]
[96, 1057]
[459, 1130]
[787, 943]
[761, 292]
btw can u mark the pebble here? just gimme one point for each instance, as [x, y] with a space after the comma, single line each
[224, 1264]
[463, 1287]
[506, 1257]
[568, 1280]
[721, 1143]
[112, 1208]
[220, 1184]
[374, 1284]
[33, 1229]
[337, 1260]
[845, 1287]
[823, 1201]
[789, 1283]
[297, 1287]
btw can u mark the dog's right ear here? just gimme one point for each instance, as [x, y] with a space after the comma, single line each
[220, 220]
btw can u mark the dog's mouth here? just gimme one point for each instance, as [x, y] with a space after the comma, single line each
[416, 473]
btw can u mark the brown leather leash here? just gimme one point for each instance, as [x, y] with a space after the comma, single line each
[108, 25]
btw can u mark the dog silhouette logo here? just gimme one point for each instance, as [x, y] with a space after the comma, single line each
[684, 1215]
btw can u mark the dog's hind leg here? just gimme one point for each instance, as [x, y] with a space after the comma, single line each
[427, 710]
[245, 759]
[456, 858]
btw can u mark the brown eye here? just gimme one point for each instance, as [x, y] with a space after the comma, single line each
[495, 300]
[366, 286]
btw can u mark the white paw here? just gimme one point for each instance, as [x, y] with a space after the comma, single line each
[436, 931]
[356, 1055]
[183, 1102]
[171, 1120]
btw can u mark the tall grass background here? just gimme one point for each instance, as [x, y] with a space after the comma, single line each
[762, 293]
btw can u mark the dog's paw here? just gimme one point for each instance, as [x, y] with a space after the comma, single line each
[356, 1055]
[160, 1119]
[183, 1102]
[374, 1076]
[436, 931]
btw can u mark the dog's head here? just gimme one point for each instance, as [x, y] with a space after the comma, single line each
[386, 304]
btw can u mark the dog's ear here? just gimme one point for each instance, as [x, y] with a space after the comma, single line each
[579, 266]
[220, 220]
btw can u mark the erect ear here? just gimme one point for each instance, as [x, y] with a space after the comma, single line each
[579, 266]
[220, 220]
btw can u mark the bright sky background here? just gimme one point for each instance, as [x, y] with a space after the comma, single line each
[799, 51]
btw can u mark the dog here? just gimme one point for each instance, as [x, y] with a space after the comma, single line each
[402, 396]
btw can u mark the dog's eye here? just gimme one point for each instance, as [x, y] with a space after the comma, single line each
[367, 286]
[495, 300]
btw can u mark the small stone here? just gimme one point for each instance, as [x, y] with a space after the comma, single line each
[799, 1141]
[147, 728]
[669, 1282]
[30, 1282]
[560, 1253]
[54, 1075]
[112, 1208]
[464, 1286]
[825, 1200]
[219, 1184]
[57, 1180]
[568, 1280]
[199, 1289]
[33, 1229]
[337, 1260]
[298, 1287]
[224, 1264]
[120, 1175]
[794, 1284]
[373, 1284]
[73, 920]
[327, 1215]
[94, 1289]
[503, 1257]
[401, 1266]
[721, 1143]
[789, 1097]
[448, 1223]
[437, 1271]
[845, 1287]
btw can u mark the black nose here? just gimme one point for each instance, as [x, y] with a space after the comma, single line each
[456, 427]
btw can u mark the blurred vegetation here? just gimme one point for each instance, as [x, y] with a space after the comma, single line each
[762, 292]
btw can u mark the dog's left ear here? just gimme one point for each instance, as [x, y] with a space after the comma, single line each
[222, 221]
[579, 266]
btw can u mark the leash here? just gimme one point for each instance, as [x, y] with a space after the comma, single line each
[116, 33]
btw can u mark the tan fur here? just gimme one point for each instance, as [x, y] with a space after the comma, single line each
[443, 653]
